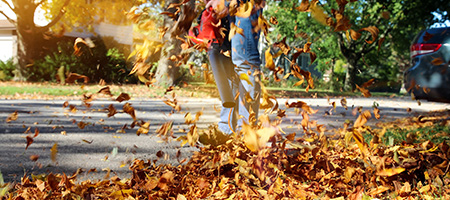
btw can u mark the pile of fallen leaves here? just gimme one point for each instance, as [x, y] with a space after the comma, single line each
[264, 163]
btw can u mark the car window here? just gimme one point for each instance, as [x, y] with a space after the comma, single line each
[434, 36]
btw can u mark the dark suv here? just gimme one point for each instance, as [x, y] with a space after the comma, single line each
[429, 74]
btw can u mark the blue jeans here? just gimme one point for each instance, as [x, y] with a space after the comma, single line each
[246, 57]
[227, 84]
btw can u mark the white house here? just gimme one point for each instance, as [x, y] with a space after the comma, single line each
[8, 40]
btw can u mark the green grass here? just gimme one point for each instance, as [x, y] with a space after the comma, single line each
[393, 136]
[194, 89]
[41, 90]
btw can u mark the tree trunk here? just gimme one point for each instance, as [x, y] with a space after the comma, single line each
[168, 73]
[350, 76]
[31, 44]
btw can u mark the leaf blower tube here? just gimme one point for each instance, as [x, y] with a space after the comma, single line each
[219, 66]
[206, 34]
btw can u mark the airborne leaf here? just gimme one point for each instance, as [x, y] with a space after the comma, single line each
[373, 31]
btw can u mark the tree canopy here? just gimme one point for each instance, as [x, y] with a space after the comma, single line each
[370, 35]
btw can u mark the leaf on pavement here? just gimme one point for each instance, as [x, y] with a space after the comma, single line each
[12, 117]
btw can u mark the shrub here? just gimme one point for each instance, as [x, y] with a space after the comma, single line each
[96, 63]
[7, 70]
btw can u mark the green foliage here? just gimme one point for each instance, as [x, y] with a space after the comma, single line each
[7, 70]
[97, 63]
[46, 68]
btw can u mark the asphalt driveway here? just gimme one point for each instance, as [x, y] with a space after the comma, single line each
[85, 137]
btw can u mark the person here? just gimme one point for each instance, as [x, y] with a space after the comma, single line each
[221, 65]
[246, 57]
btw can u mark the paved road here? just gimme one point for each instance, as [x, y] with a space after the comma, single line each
[100, 144]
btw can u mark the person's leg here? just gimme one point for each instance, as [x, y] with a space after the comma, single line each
[227, 84]
[249, 95]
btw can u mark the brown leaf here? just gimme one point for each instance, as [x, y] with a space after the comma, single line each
[273, 20]
[364, 91]
[12, 117]
[283, 46]
[54, 152]
[304, 6]
[127, 108]
[344, 103]
[29, 141]
[373, 31]
[302, 105]
[380, 42]
[72, 77]
[386, 14]
[376, 113]
[362, 119]
[34, 158]
[111, 110]
[105, 90]
[437, 61]
[355, 35]
[123, 97]
[81, 125]
[427, 36]
[77, 49]
[368, 83]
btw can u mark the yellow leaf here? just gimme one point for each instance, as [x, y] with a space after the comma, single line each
[269, 60]
[318, 13]
[264, 135]
[250, 138]
[390, 171]
[54, 151]
[245, 77]
[244, 10]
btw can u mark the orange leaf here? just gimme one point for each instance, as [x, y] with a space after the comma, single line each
[364, 91]
[362, 119]
[304, 6]
[355, 35]
[390, 171]
[12, 117]
[437, 61]
[54, 152]
[302, 105]
[127, 108]
[373, 31]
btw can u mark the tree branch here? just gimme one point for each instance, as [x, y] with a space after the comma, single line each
[9, 5]
[8, 18]
[57, 18]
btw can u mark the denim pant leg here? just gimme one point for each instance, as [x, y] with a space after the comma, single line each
[249, 95]
[222, 66]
